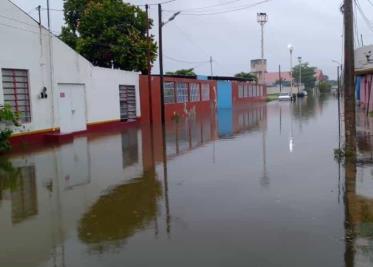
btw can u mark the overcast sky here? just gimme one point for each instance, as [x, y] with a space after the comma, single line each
[314, 27]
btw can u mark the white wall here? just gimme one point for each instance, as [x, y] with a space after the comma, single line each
[25, 45]
[103, 97]
[360, 57]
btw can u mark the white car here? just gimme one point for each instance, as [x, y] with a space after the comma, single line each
[284, 97]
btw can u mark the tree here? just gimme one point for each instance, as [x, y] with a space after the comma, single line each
[108, 32]
[246, 75]
[308, 75]
[184, 72]
[325, 86]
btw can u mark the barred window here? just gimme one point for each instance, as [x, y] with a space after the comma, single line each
[246, 93]
[195, 94]
[169, 92]
[205, 88]
[182, 92]
[16, 92]
[240, 90]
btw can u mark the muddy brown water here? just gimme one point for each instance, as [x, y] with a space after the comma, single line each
[255, 186]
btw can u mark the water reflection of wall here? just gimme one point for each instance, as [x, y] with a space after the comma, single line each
[359, 202]
[56, 186]
[24, 196]
[239, 120]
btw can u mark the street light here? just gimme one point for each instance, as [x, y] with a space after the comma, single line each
[291, 49]
[160, 26]
[300, 73]
[339, 69]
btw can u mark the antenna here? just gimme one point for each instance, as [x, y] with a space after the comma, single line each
[262, 19]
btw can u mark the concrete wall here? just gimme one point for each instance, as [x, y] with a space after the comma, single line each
[50, 62]
[361, 62]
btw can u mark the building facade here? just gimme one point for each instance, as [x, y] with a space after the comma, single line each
[54, 89]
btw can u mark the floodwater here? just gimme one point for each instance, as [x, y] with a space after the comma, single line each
[257, 186]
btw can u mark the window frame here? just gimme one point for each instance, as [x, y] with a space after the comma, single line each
[165, 97]
[13, 89]
[205, 87]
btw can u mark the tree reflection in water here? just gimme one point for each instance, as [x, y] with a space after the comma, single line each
[120, 213]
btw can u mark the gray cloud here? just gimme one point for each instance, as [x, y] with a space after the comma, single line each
[232, 39]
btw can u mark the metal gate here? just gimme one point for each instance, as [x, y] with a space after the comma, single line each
[127, 98]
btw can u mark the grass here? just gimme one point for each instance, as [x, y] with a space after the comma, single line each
[272, 97]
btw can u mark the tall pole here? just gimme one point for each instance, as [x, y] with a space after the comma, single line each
[160, 25]
[262, 41]
[48, 16]
[211, 69]
[149, 68]
[291, 70]
[279, 77]
[349, 97]
[339, 107]
[300, 74]
[163, 119]
[39, 12]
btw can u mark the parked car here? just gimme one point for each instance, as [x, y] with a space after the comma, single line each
[284, 97]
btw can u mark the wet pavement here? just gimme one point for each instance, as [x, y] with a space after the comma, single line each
[255, 186]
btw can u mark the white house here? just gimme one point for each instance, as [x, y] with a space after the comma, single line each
[54, 88]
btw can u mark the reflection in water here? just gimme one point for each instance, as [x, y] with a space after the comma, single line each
[102, 190]
[19, 186]
[120, 213]
[24, 197]
[359, 198]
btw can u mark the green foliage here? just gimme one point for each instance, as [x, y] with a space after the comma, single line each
[184, 72]
[246, 75]
[325, 86]
[7, 119]
[108, 31]
[308, 75]
[8, 175]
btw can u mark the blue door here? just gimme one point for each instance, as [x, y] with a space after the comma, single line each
[224, 94]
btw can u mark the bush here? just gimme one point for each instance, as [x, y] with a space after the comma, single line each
[8, 119]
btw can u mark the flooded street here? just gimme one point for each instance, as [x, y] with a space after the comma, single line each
[251, 187]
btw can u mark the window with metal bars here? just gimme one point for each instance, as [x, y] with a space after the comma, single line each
[169, 92]
[16, 92]
[205, 91]
[195, 94]
[182, 92]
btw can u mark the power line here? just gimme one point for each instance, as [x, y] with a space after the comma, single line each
[365, 18]
[222, 11]
[211, 6]
[186, 61]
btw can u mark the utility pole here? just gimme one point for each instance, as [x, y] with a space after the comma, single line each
[279, 77]
[349, 97]
[339, 106]
[211, 70]
[160, 25]
[39, 12]
[48, 15]
[149, 68]
[300, 74]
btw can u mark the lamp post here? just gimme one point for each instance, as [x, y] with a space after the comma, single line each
[339, 70]
[291, 49]
[300, 73]
[163, 119]
[160, 26]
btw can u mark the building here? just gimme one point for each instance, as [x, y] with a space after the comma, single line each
[364, 76]
[55, 90]
[190, 95]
